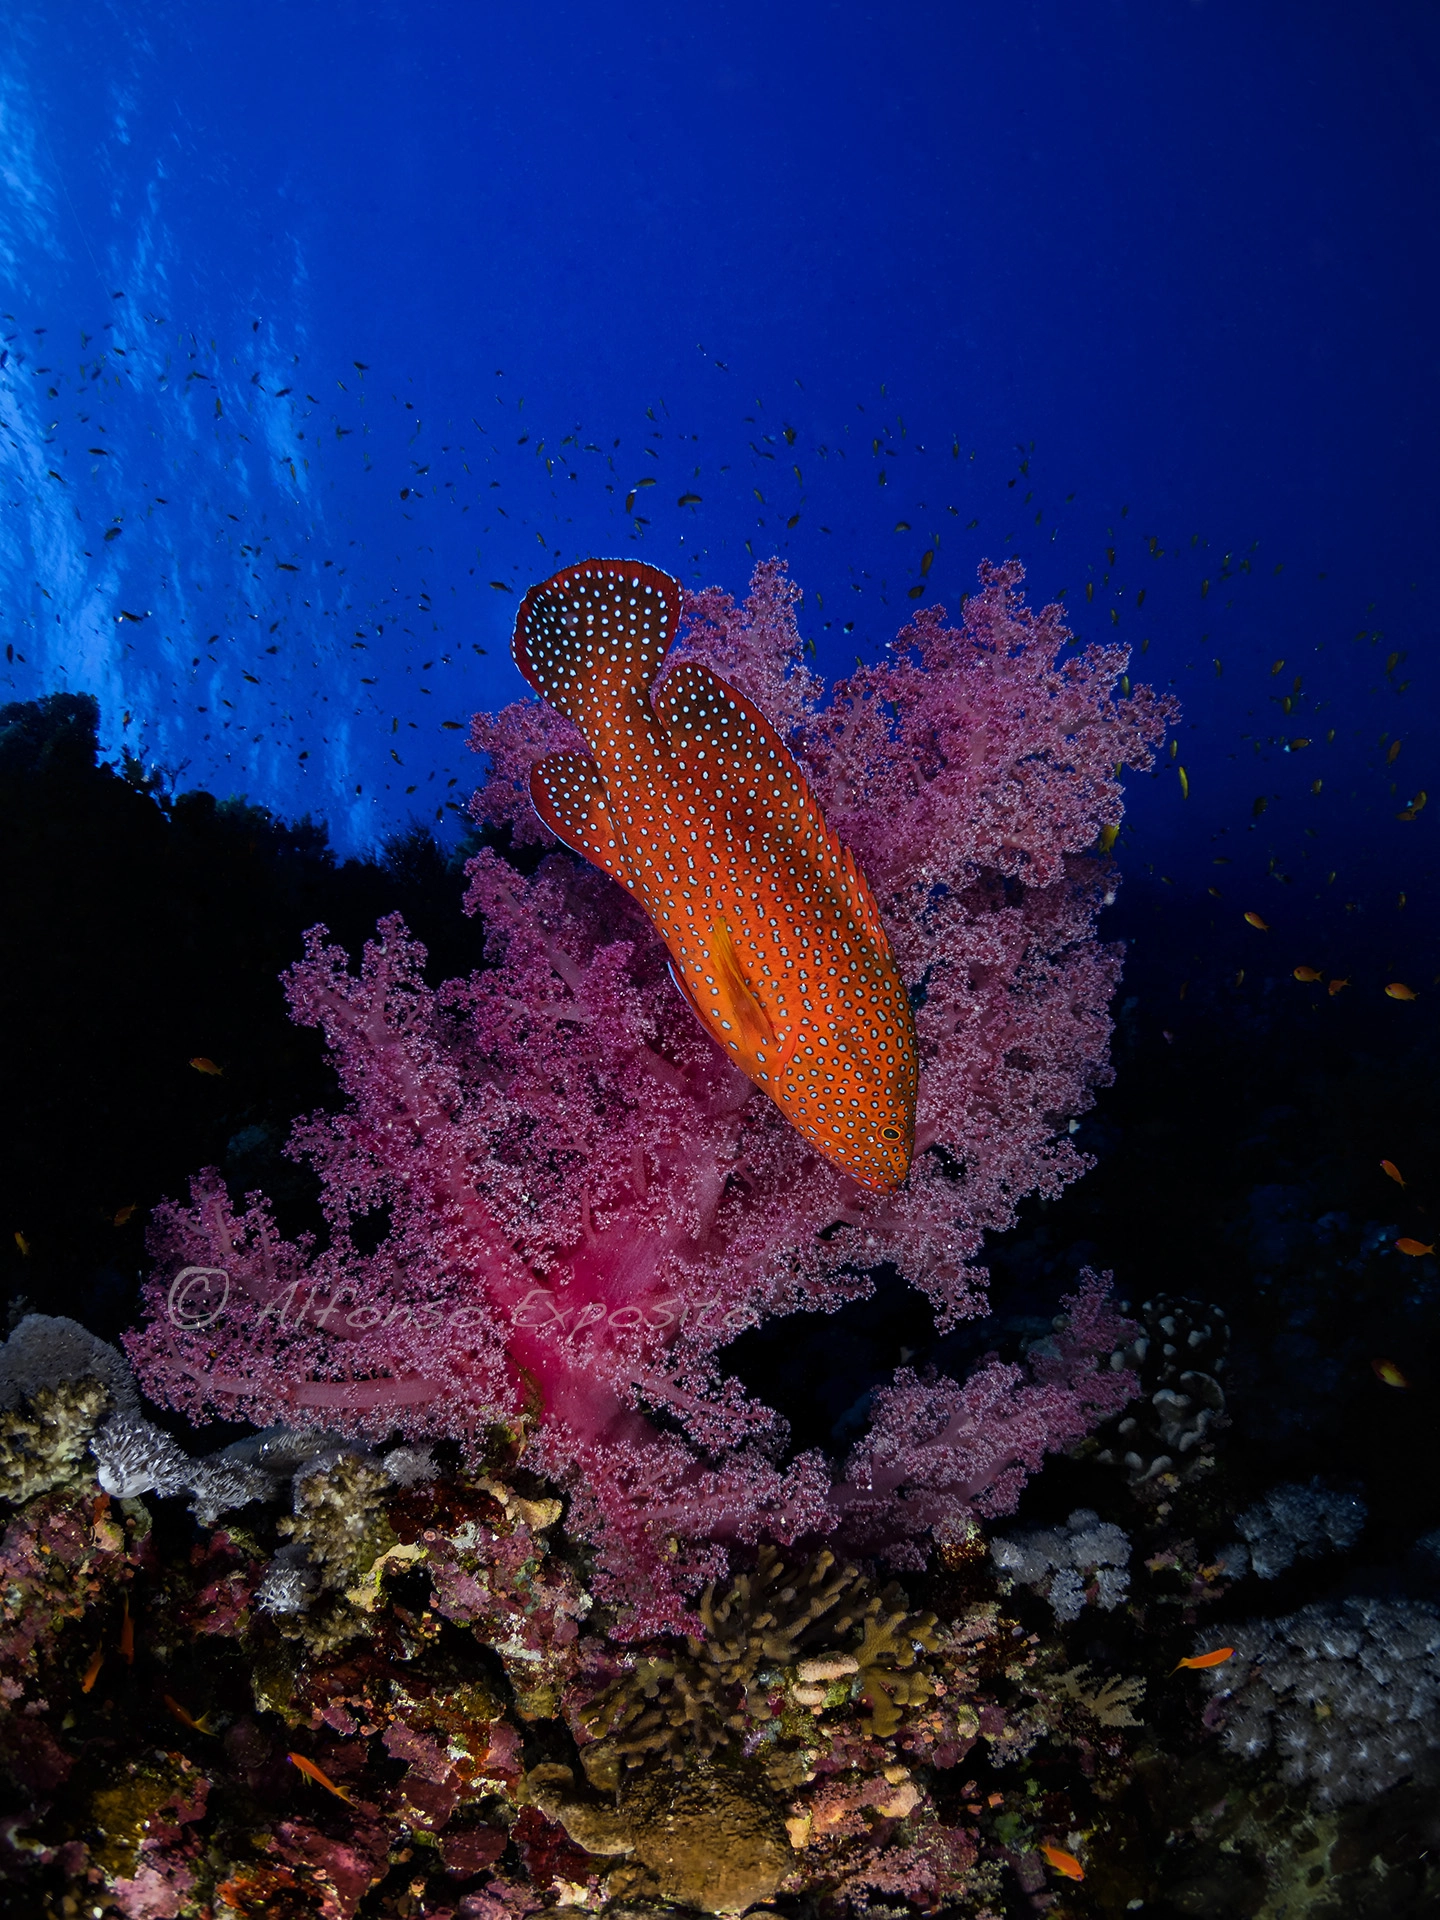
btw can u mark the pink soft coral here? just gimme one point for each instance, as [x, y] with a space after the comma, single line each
[549, 1197]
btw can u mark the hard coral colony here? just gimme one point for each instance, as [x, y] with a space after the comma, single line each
[552, 1198]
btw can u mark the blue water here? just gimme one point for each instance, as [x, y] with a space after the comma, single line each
[1102, 280]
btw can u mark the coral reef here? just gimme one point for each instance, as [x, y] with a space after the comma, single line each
[1293, 1522]
[1085, 1560]
[817, 1630]
[1177, 1355]
[384, 1687]
[394, 1687]
[551, 1201]
[1347, 1695]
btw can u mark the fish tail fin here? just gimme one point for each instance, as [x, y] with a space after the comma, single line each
[605, 622]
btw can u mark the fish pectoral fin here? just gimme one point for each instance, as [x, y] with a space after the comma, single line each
[788, 1050]
[739, 1003]
[568, 792]
[682, 988]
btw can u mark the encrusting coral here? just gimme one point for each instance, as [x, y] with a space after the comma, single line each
[45, 1442]
[715, 1840]
[58, 1382]
[481, 1745]
[439, 1620]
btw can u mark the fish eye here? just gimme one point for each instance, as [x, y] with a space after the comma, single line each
[889, 1133]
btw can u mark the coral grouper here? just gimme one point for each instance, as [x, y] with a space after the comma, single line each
[694, 803]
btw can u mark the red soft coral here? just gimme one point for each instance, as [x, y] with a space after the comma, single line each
[550, 1198]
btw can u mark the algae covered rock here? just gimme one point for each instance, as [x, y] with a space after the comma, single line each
[713, 1839]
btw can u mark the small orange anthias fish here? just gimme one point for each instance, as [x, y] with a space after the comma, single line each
[1387, 1371]
[1397, 990]
[1256, 921]
[92, 1671]
[1062, 1862]
[203, 1064]
[1389, 1166]
[1308, 973]
[693, 802]
[319, 1776]
[185, 1718]
[1215, 1658]
[1415, 1248]
[1336, 986]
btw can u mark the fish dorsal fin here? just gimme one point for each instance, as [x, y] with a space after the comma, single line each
[600, 627]
[568, 793]
[703, 714]
[862, 899]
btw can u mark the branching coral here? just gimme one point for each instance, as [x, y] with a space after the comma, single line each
[823, 1622]
[551, 1200]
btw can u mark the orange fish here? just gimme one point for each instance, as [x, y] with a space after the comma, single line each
[202, 1064]
[92, 1672]
[1307, 973]
[1062, 1862]
[1387, 1371]
[1389, 1166]
[319, 1776]
[127, 1634]
[123, 1213]
[693, 802]
[1256, 921]
[1336, 985]
[1413, 1247]
[1216, 1658]
[1397, 990]
[186, 1719]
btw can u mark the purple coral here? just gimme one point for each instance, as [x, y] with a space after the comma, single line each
[581, 1201]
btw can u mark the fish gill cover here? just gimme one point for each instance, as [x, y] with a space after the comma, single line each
[551, 1200]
